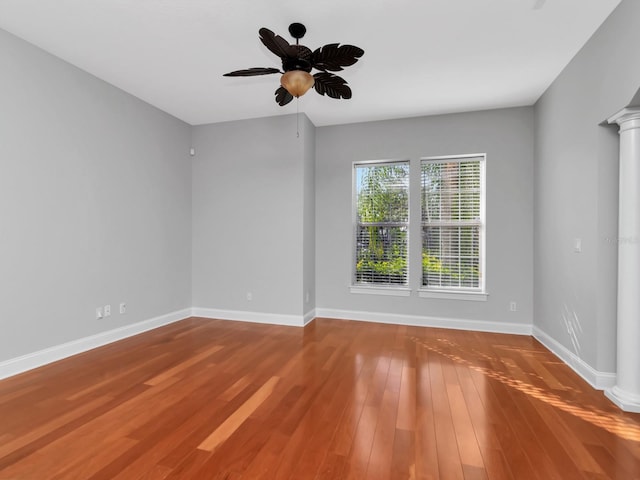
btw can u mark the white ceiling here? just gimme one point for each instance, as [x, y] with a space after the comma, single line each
[422, 57]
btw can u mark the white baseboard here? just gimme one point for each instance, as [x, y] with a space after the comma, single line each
[17, 365]
[309, 316]
[422, 321]
[598, 380]
[626, 401]
[255, 317]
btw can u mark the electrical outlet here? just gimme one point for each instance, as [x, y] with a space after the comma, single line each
[513, 306]
[98, 313]
[107, 310]
[123, 308]
[577, 245]
[249, 296]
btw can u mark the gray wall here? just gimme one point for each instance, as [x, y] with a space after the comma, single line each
[506, 136]
[576, 170]
[252, 185]
[94, 200]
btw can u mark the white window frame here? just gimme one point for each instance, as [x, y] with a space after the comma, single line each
[461, 293]
[377, 289]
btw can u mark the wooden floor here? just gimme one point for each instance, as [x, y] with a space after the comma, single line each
[208, 399]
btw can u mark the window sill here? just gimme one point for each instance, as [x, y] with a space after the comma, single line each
[454, 295]
[392, 291]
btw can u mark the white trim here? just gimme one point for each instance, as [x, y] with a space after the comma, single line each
[309, 316]
[624, 115]
[598, 380]
[255, 317]
[451, 295]
[423, 321]
[624, 400]
[481, 222]
[354, 212]
[381, 162]
[454, 158]
[378, 290]
[21, 364]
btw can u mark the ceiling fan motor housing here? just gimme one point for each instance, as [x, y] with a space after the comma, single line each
[289, 64]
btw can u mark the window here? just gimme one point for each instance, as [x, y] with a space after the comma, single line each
[450, 227]
[381, 197]
[452, 203]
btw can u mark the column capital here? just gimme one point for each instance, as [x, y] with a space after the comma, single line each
[625, 115]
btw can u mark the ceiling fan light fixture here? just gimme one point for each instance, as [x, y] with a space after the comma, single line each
[297, 82]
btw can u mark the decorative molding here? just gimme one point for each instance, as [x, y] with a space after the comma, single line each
[21, 364]
[255, 317]
[422, 321]
[625, 115]
[598, 380]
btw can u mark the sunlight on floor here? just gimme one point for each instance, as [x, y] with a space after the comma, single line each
[610, 422]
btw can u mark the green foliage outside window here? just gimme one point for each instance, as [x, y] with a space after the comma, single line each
[450, 192]
[383, 213]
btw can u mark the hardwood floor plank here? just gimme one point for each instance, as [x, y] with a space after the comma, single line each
[574, 446]
[348, 424]
[328, 404]
[407, 401]
[190, 465]
[382, 447]
[426, 451]
[158, 472]
[152, 436]
[360, 453]
[467, 442]
[449, 462]
[403, 456]
[331, 467]
[231, 424]
[484, 426]
[265, 463]
[610, 466]
[172, 372]
[526, 457]
[548, 439]
[37, 434]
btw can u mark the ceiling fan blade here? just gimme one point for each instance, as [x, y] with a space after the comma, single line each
[276, 44]
[251, 72]
[283, 96]
[331, 85]
[333, 57]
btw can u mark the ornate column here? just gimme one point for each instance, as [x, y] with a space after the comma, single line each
[626, 392]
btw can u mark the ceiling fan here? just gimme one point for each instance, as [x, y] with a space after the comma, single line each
[297, 63]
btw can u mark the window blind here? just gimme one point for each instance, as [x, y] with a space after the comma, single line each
[382, 219]
[452, 222]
